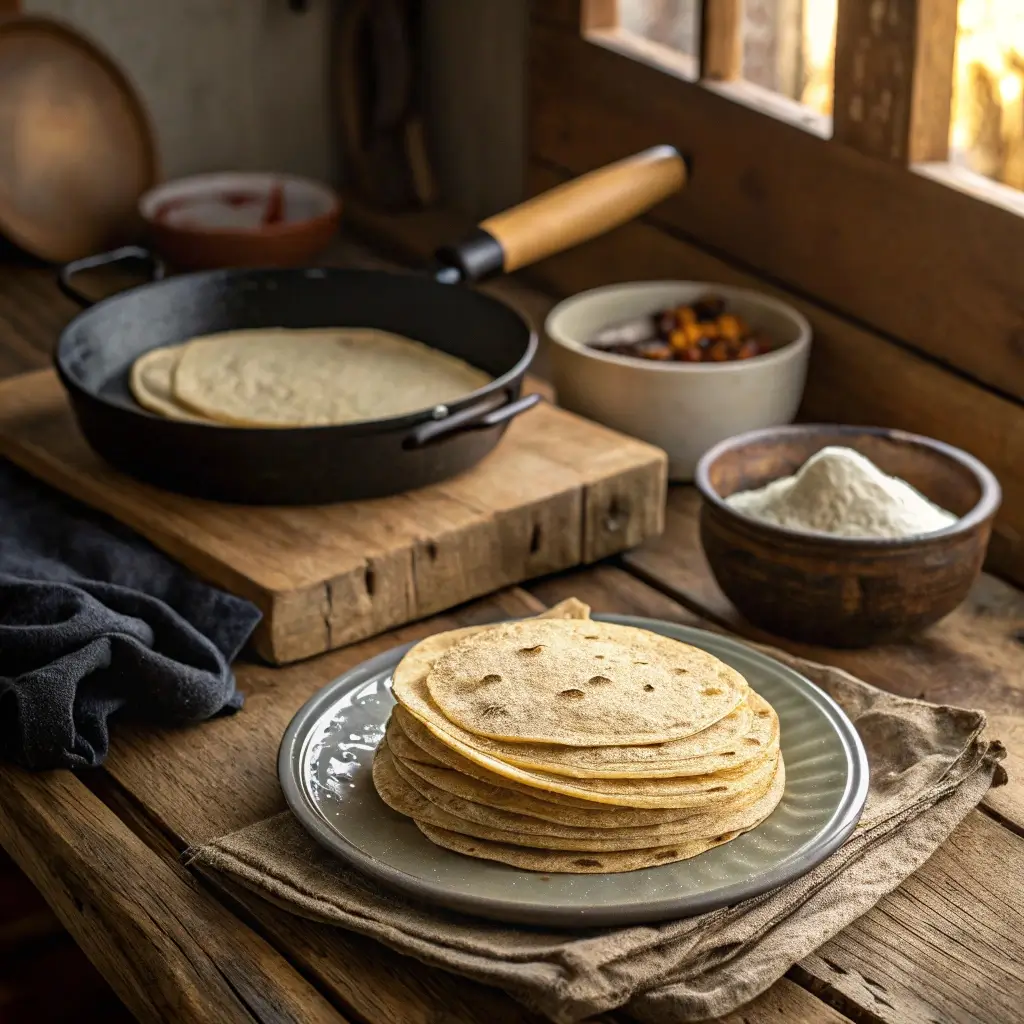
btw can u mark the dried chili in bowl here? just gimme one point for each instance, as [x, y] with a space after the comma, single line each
[698, 332]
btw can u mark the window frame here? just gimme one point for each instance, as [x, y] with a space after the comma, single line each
[911, 270]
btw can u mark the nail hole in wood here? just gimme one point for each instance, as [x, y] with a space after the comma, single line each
[615, 518]
[535, 539]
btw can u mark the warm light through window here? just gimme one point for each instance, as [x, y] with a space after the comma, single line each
[987, 132]
[789, 47]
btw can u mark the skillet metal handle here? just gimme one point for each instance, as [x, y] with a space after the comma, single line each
[475, 417]
[104, 259]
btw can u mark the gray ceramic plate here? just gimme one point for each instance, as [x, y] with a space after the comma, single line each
[324, 767]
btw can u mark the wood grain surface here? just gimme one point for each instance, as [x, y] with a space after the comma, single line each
[169, 952]
[558, 491]
[947, 946]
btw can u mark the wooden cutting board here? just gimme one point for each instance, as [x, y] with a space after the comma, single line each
[558, 491]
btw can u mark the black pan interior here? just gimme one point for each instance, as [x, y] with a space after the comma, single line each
[98, 348]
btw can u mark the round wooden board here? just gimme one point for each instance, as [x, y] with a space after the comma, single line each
[79, 149]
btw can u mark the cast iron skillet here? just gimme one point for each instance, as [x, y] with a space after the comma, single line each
[312, 465]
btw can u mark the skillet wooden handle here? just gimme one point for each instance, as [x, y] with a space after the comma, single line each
[586, 207]
[569, 214]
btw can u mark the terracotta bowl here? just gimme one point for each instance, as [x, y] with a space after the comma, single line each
[840, 591]
[240, 219]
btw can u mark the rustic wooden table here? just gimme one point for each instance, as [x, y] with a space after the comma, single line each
[104, 847]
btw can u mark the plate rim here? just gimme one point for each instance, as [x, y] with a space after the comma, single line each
[834, 834]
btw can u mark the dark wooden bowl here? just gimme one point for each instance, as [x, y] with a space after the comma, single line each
[841, 591]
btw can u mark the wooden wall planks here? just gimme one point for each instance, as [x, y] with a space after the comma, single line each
[894, 78]
[821, 218]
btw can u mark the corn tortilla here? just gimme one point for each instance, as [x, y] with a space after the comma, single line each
[279, 377]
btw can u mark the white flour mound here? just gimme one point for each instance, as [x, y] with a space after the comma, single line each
[839, 491]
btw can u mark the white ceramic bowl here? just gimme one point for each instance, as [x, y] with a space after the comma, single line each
[684, 408]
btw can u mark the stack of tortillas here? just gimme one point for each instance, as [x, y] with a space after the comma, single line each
[275, 377]
[563, 744]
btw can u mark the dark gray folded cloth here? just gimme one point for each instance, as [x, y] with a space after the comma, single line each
[95, 621]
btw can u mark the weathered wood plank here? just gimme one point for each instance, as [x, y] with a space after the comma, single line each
[784, 1003]
[932, 96]
[16, 355]
[168, 951]
[927, 264]
[953, 927]
[336, 958]
[974, 657]
[329, 575]
[894, 78]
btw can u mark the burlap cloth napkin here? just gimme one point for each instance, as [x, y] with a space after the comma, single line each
[930, 765]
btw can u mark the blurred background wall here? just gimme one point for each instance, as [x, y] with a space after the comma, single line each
[229, 83]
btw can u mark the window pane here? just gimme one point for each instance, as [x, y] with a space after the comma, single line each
[672, 23]
[987, 124]
[788, 47]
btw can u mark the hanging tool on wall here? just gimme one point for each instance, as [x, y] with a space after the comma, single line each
[378, 81]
